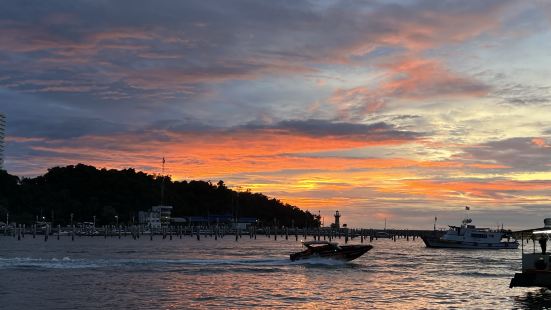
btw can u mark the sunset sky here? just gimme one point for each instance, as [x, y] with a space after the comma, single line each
[403, 110]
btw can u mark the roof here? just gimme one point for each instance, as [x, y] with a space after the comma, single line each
[532, 230]
[221, 218]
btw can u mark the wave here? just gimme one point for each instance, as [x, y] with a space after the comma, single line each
[54, 263]
[68, 263]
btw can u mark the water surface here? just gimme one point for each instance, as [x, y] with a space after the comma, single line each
[98, 273]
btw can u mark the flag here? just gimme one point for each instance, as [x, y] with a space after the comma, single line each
[467, 208]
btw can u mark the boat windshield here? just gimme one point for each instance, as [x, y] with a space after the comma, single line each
[320, 244]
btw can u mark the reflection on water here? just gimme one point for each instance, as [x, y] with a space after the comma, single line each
[539, 299]
[93, 273]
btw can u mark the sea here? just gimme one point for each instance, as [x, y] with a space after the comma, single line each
[113, 273]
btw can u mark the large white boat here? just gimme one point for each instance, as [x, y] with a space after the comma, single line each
[468, 236]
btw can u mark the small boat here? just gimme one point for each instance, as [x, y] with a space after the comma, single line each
[331, 250]
[536, 267]
[469, 236]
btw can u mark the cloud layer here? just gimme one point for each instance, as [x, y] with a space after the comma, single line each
[379, 109]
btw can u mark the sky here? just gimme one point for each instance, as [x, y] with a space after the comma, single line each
[396, 110]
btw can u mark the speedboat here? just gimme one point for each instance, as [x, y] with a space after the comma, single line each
[469, 236]
[331, 250]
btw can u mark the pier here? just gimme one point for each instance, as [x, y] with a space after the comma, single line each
[21, 231]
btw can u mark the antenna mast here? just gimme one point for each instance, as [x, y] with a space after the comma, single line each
[163, 183]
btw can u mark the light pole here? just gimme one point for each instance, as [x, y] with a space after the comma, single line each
[117, 220]
[94, 221]
[71, 219]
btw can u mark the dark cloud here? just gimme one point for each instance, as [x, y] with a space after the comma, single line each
[379, 131]
[521, 154]
[523, 94]
[126, 50]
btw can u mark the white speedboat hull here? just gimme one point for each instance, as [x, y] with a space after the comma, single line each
[433, 242]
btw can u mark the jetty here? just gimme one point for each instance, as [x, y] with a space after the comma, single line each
[22, 231]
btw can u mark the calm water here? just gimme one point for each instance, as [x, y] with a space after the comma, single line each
[94, 273]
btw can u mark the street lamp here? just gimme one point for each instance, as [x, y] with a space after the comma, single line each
[94, 222]
[117, 219]
[71, 219]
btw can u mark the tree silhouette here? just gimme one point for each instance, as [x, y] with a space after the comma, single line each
[87, 191]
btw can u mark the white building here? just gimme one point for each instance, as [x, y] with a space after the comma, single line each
[2, 131]
[158, 217]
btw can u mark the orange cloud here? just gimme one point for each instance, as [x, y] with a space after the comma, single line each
[540, 142]
[422, 78]
[491, 191]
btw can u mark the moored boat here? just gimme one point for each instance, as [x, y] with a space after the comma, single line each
[536, 267]
[331, 250]
[468, 236]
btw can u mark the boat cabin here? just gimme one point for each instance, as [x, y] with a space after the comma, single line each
[536, 262]
[467, 232]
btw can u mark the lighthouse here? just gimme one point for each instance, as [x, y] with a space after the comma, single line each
[337, 219]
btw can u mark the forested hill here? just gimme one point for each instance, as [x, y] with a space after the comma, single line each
[87, 191]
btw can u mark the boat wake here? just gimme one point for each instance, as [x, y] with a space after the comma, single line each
[38, 263]
[321, 261]
[69, 263]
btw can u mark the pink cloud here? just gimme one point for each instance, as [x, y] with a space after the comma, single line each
[424, 78]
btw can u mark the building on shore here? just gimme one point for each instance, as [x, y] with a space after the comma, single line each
[226, 220]
[2, 135]
[157, 217]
